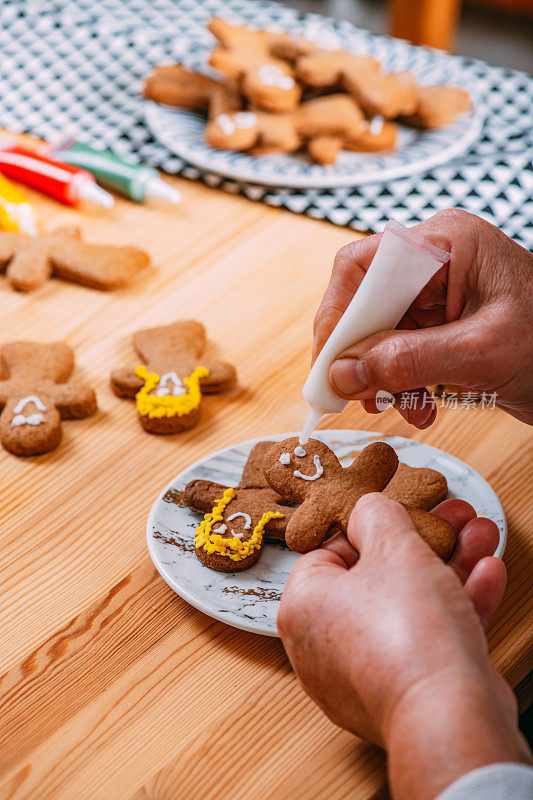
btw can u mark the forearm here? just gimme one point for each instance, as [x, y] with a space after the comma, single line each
[441, 731]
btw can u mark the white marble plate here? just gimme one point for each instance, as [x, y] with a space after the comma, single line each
[249, 600]
[182, 132]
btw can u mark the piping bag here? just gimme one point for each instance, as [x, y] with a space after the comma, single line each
[404, 262]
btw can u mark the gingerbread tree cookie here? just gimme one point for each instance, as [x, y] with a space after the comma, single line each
[168, 387]
[237, 520]
[245, 56]
[29, 261]
[35, 396]
[314, 477]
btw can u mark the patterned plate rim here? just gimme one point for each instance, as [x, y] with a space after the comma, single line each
[259, 627]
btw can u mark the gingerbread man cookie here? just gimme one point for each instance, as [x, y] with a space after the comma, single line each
[313, 476]
[35, 396]
[417, 487]
[237, 520]
[333, 115]
[168, 387]
[29, 261]
[245, 56]
[174, 85]
[437, 106]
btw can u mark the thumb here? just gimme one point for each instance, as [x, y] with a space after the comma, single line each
[398, 361]
[380, 528]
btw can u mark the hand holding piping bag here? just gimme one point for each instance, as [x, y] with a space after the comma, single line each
[468, 325]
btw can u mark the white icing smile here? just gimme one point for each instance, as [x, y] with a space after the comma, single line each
[32, 419]
[170, 384]
[270, 75]
[247, 524]
[319, 469]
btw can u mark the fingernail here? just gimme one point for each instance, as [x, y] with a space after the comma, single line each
[349, 375]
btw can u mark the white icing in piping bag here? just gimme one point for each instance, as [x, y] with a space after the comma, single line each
[401, 267]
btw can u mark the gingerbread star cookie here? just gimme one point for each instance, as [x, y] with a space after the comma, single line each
[35, 395]
[168, 387]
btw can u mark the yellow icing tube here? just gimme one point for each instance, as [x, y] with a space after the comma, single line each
[16, 214]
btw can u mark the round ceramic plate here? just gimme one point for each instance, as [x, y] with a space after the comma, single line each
[182, 132]
[249, 600]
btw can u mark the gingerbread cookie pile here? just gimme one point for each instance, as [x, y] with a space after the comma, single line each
[302, 495]
[278, 94]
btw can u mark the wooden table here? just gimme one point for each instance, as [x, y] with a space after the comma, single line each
[105, 693]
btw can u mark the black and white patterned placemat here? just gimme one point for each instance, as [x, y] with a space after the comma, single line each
[78, 66]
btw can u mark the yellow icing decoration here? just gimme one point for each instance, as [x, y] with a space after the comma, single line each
[233, 547]
[157, 406]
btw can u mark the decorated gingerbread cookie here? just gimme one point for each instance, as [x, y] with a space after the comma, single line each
[237, 520]
[29, 261]
[313, 476]
[35, 396]
[335, 115]
[245, 56]
[168, 387]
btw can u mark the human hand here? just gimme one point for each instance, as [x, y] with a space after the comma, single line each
[391, 644]
[470, 325]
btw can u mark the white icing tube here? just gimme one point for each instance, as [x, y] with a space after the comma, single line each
[401, 267]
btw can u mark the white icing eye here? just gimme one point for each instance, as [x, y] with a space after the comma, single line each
[221, 529]
[285, 459]
[226, 124]
[299, 451]
[245, 119]
[19, 419]
[34, 419]
[270, 75]
[376, 126]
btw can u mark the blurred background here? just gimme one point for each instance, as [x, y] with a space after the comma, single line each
[497, 31]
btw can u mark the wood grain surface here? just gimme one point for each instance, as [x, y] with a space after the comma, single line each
[111, 685]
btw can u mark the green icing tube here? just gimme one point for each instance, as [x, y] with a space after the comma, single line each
[135, 181]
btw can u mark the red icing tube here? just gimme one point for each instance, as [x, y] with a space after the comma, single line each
[64, 182]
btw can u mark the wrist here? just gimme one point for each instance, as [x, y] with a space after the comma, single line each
[447, 726]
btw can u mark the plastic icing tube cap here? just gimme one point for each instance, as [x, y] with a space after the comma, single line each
[404, 262]
[89, 190]
[155, 187]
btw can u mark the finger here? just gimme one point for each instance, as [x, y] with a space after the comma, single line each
[478, 539]
[398, 361]
[457, 512]
[416, 407]
[486, 587]
[380, 529]
[349, 268]
[340, 545]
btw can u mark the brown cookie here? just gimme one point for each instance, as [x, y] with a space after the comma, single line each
[245, 515]
[417, 487]
[437, 106]
[174, 85]
[35, 396]
[168, 388]
[371, 136]
[245, 56]
[328, 492]
[29, 261]
[335, 115]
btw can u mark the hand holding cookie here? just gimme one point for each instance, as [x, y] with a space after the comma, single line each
[360, 635]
